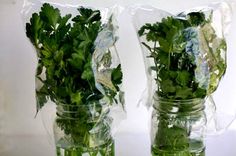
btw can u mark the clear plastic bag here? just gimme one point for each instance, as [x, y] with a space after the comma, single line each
[185, 59]
[78, 67]
[219, 17]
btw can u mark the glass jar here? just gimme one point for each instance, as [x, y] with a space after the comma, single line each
[178, 127]
[83, 130]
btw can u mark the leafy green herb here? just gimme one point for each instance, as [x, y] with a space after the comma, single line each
[116, 76]
[177, 54]
[187, 66]
[65, 46]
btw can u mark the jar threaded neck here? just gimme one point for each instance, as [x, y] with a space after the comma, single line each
[188, 107]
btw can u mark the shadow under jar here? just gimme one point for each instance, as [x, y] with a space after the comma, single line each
[178, 127]
[83, 130]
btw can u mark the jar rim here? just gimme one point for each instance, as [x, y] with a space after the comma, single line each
[83, 105]
[159, 98]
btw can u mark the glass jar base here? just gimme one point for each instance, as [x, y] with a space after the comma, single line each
[196, 149]
[104, 150]
[178, 153]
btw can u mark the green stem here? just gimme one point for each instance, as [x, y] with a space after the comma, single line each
[105, 150]
[172, 137]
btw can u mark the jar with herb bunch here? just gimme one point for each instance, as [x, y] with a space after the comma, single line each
[65, 49]
[188, 63]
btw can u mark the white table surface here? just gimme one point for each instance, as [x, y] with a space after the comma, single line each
[126, 145]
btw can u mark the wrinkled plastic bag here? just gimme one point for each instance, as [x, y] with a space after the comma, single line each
[201, 42]
[105, 62]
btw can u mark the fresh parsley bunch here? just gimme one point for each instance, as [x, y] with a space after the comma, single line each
[65, 46]
[189, 57]
[189, 61]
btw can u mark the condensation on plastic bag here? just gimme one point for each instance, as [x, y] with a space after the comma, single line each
[103, 45]
[219, 15]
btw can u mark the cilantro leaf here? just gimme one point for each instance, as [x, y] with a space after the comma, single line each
[33, 29]
[87, 16]
[50, 16]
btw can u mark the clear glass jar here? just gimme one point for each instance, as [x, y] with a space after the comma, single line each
[83, 130]
[178, 127]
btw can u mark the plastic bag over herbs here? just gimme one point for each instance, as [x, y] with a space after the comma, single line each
[78, 45]
[79, 70]
[184, 54]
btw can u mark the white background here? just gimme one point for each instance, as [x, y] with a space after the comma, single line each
[26, 135]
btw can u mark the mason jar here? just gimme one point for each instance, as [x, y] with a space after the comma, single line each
[83, 130]
[178, 127]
